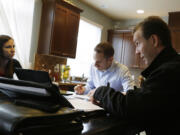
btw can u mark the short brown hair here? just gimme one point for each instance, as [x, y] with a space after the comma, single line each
[9, 66]
[3, 40]
[155, 25]
[106, 48]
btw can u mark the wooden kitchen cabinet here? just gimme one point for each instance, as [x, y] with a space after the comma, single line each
[122, 41]
[175, 35]
[174, 25]
[59, 28]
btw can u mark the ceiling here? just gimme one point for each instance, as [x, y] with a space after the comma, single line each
[126, 9]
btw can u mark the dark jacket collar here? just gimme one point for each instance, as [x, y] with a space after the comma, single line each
[164, 56]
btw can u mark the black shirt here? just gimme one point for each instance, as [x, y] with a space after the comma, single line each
[154, 106]
[10, 68]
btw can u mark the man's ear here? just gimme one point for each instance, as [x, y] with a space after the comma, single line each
[111, 58]
[155, 40]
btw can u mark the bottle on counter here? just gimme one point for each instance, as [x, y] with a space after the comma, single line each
[56, 73]
[50, 73]
[65, 72]
[62, 67]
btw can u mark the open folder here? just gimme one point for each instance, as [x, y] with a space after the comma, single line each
[32, 108]
[25, 89]
[82, 102]
[43, 96]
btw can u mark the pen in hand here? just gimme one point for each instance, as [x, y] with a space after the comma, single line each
[79, 89]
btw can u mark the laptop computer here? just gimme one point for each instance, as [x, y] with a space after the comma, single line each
[33, 75]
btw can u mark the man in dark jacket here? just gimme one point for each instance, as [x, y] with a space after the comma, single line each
[154, 106]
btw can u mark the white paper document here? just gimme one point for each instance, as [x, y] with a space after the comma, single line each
[83, 97]
[82, 102]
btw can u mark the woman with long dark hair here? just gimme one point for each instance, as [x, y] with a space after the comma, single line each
[7, 51]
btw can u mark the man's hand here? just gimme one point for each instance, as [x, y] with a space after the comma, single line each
[79, 89]
[94, 101]
[91, 94]
[124, 93]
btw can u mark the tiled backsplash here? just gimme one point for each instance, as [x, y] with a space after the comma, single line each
[47, 62]
[136, 72]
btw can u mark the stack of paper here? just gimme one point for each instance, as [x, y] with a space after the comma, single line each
[82, 102]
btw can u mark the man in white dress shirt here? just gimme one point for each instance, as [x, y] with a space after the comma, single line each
[106, 71]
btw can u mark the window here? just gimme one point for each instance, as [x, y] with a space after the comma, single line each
[16, 18]
[89, 36]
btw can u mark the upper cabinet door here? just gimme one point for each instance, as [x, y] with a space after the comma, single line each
[58, 33]
[174, 25]
[125, 51]
[73, 28]
[130, 57]
[117, 42]
[175, 35]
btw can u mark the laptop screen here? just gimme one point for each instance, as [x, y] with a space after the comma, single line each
[33, 75]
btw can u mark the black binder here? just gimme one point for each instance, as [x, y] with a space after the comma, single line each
[33, 108]
[16, 120]
[45, 97]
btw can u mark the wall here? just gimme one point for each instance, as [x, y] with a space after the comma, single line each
[129, 24]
